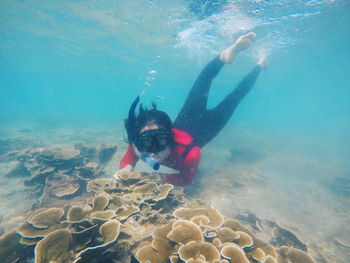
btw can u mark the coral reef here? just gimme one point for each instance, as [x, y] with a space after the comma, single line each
[58, 174]
[187, 241]
[80, 218]
[108, 226]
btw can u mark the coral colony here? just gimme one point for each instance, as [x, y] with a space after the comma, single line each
[80, 219]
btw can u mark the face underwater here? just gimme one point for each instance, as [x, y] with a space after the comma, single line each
[154, 141]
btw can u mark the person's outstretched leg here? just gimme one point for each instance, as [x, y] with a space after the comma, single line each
[220, 115]
[196, 101]
[191, 116]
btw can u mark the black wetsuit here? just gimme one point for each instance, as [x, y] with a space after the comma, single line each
[203, 124]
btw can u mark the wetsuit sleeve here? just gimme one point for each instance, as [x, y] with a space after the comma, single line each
[188, 170]
[129, 158]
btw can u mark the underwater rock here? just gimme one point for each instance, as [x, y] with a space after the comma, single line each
[287, 254]
[236, 225]
[278, 236]
[285, 237]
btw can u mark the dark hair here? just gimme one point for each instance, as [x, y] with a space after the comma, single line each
[147, 117]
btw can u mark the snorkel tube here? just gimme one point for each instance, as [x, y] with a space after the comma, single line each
[131, 120]
[152, 162]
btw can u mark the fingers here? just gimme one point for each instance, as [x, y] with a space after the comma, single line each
[116, 176]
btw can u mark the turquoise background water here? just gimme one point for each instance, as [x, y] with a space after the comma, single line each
[70, 69]
[84, 61]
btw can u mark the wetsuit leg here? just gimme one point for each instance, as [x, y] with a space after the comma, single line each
[191, 115]
[217, 117]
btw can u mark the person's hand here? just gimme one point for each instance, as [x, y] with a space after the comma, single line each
[127, 168]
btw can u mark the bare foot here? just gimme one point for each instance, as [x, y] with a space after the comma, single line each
[243, 42]
[262, 61]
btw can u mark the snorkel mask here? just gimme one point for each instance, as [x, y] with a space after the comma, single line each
[149, 141]
[154, 141]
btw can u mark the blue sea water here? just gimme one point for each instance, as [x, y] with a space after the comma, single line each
[79, 64]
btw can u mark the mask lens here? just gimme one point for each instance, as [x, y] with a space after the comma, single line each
[146, 142]
[163, 140]
[154, 141]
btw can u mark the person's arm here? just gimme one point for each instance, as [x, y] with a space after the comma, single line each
[188, 170]
[130, 158]
[127, 163]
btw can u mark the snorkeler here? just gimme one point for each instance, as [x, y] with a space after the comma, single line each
[156, 140]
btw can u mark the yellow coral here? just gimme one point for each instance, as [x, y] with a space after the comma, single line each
[184, 231]
[54, 247]
[196, 249]
[110, 231]
[215, 218]
[226, 234]
[46, 218]
[234, 253]
[150, 255]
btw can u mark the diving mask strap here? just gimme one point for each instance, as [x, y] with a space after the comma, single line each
[131, 119]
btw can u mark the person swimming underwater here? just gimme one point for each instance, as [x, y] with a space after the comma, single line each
[156, 140]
